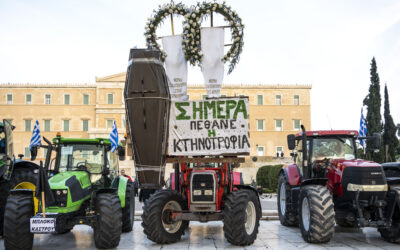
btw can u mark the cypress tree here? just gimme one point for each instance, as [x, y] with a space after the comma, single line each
[374, 119]
[389, 131]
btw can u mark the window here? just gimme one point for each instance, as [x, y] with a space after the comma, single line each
[85, 99]
[278, 125]
[260, 125]
[296, 100]
[66, 125]
[28, 125]
[223, 96]
[110, 98]
[27, 152]
[260, 150]
[278, 100]
[279, 151]
[296, 124]
[46, 125]
[85, 125]
[28, 99]
[9, 98]
[110, 123]
[66, 99]
[260, 99]
[44, 152]
[47, 99]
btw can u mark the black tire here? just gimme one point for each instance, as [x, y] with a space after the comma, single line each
[321, 211]
[19, 175]
[155, 217]
[287, 216]
[19, 210]
[235, 217]
[108, 227]
[128, 212]
[392, 234]
[4, 190]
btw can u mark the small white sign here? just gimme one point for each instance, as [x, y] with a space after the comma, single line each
[43, 225]
[66, 150]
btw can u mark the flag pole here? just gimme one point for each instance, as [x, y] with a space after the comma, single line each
[172, 24]
[43, 205]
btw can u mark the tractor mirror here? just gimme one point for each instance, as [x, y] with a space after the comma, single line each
[376, 140]
[33, 153]
[291, 141]
[121, 153]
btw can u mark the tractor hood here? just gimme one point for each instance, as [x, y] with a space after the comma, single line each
[342, 163]
[70, 179]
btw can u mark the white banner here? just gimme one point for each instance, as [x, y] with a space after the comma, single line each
[212, 46]
[175, 67]
[209, 127]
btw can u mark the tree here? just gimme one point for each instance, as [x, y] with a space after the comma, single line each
[374, 119]
[389, 132]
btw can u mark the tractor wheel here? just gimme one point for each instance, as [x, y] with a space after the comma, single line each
[128, 212]
[317, 214]
[19, 210]
[25, 178]
[157, 222]
[287, 215]
[108, 228]
[392, 234]
[4, 190]
[242, 214]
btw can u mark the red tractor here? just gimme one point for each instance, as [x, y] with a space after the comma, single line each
[203, 189]
[328, 184]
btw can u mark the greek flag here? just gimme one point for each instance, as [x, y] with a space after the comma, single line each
[35, 140]
[363, 128]
[114, 137]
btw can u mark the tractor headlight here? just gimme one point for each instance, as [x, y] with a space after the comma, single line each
[65, 191]
[196, 192]
[208, 192]
[58, 192]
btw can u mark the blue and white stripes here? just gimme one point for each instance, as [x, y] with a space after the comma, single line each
[36, 139]
[363, 127]
[114, 137]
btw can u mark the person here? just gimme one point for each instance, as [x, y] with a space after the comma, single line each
[125, 175]
[136, 186]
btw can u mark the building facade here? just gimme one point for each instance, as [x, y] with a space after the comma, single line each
[88, 111]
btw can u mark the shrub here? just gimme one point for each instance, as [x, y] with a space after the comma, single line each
[267, 177]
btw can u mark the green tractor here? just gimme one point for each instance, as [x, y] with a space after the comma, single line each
[14, 173]
[84, 182]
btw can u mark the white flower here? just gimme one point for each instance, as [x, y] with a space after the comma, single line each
[193, 15]
[165, 14]
[214, 8]
[192, 30]
[190, 21]
[220, 5]
[170, 11]
[151, 25]
[198, 18]
[197, 42]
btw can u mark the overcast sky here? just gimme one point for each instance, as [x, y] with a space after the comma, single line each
[328, 44]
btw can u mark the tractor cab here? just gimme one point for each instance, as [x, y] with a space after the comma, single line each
[6, 147]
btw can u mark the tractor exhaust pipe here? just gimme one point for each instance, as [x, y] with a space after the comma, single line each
[304, 151]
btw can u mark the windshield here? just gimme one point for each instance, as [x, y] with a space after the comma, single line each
[333, 148]
[81, 156]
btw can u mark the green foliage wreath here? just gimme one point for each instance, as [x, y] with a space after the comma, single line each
[158, 17]
[191, 32]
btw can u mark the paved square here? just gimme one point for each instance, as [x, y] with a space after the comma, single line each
[210, 236]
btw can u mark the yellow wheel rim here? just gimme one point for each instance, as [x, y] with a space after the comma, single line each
[29, 185]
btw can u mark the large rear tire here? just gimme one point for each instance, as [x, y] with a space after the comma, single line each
[156, 217]
[25, 178]
[287, 215]
[317, 214]
[242, 214]
[108, 227]
[19, 210]
[392, 234]
[4, 190]
[128, 212]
